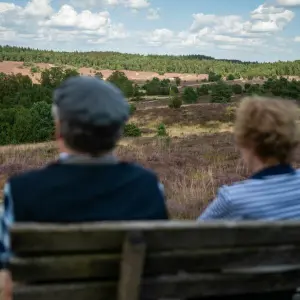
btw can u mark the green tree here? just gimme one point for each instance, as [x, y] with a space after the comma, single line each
[174, 100]
[230, 77]
[237, 89]
[189, 95]
[161, 130]
[99, 75]
[22, 128]
[203, 90]
[131, 130]
[42, 127]
[177, 81]
[221, 93]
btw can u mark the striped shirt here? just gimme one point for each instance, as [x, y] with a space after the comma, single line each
[7, 211]
[271, 194]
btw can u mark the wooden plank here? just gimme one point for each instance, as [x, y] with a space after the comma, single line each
[106, 266]
[158, 235]
[179, 287]
[76, 291]
[132, 266]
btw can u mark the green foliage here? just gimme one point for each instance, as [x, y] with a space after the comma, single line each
[221, 93]
[255, 89]
[132, 108]
[35, 69]
[189, 95]
[42, 124]
[99, 75]
[157, 87]
[131, 130]
[161, 130]
[177, 81]
[53, 77]
[203, 90]
[22, 127]
[122, 82]
[197, 64]
[237, 89]
[174, 100]
[230, 77]
[212, 77]
[283, 88]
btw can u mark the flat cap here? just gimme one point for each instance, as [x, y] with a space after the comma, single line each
[91, 100]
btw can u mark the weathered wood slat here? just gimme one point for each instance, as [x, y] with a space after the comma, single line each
[107, 266]
[76, 291]
[158, 235]
[167, 287]
[132, 266]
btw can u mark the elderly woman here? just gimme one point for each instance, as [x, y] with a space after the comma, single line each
[266, 134]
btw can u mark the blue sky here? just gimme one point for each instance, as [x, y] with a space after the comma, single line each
[240, 29]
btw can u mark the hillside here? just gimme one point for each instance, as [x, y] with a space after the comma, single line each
[192, 64]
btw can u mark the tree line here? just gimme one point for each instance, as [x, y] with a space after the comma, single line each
[197, 64]
[25, 107]
[222, 92]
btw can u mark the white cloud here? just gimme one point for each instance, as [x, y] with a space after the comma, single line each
[270, 18]
[153, 14]
[132, 4]
[68, 17]
[40, 8]
[297, 39]
[291, 3]
[5, 7]
[135, 4]
[159, 37]
[38, 21]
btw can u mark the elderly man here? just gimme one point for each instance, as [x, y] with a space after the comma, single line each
[88, 182]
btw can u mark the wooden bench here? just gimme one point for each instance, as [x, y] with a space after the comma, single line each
[160, 260]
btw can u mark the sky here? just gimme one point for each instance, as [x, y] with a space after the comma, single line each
[251, 30]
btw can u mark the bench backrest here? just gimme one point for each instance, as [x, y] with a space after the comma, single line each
[130, 261]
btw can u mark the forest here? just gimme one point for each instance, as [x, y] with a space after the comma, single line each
[25, 107]
[196, 64]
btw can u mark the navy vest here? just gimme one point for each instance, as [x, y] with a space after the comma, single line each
[85, 193]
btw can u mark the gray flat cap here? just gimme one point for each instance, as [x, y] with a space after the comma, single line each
[91, 100]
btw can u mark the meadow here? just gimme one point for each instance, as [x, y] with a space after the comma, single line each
[192, 161]
[181, 123]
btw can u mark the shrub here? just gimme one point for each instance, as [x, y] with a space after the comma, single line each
[247, 86]
[230, 77]
[237, 89]
[161, 130]
[203, 90]
[213, 77]
[174, 100]
[189, 95]
[221, 93]
[131, 130]
[177, 81]
[99, 75]
[132, 108]
[35, 69]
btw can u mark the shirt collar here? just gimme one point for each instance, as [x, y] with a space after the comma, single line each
[77, 159]
[274, 170]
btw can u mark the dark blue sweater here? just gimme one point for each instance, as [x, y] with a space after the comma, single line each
[85, 193]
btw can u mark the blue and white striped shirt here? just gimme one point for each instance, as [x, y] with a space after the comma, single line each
[271, 194]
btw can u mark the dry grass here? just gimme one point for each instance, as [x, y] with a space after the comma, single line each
[190, 167]
[198, 157]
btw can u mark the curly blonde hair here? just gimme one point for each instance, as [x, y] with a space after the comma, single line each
[268, 126]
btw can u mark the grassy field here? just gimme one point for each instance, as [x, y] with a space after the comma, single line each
[198, 156]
